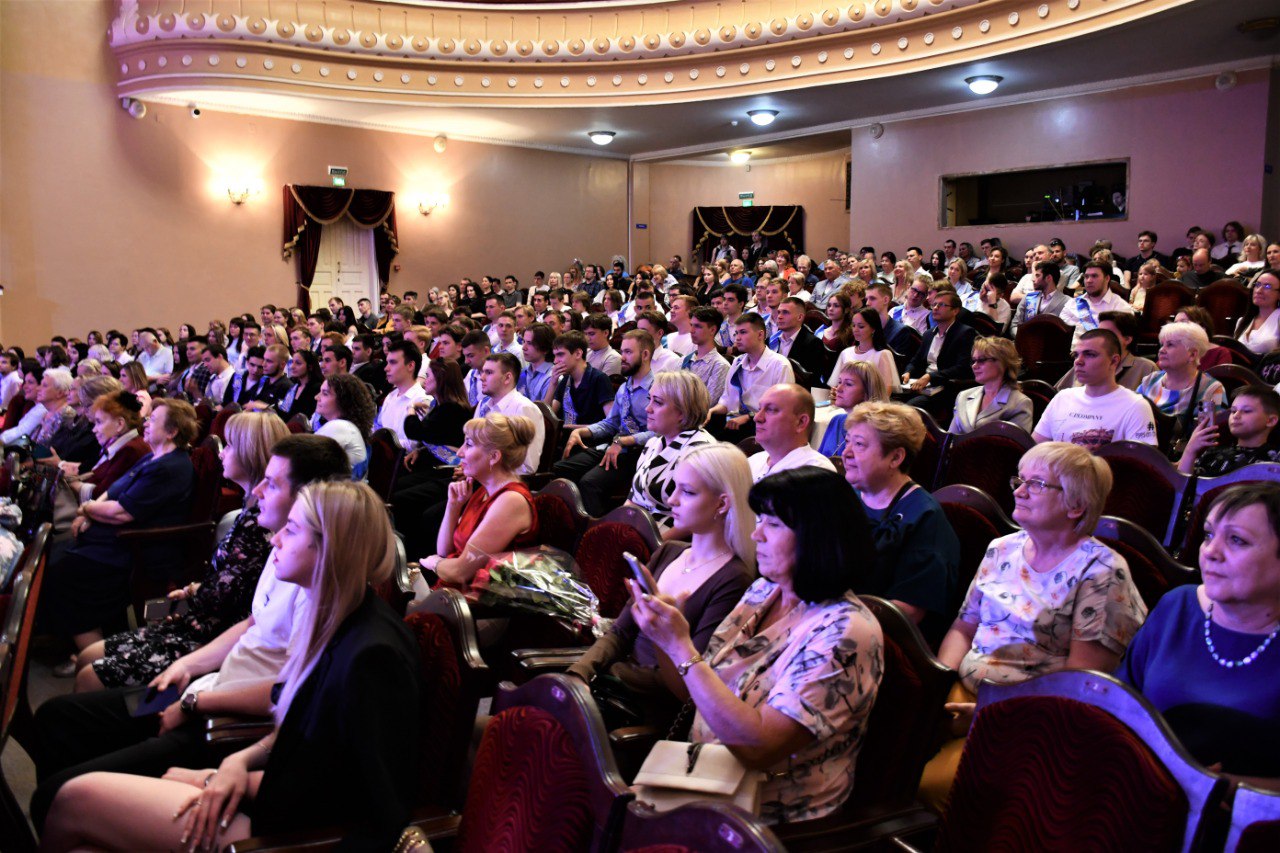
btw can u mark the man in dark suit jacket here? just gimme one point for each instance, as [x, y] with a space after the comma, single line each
[753, 253]
[794, 340]
[366, 367]
[928, 376]
[275, 383]
[248, 383]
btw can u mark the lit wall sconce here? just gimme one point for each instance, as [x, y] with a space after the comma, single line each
[431, 202]
[240, 191]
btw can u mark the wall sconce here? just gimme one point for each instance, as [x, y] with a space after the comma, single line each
[431, 202]
[240, 191]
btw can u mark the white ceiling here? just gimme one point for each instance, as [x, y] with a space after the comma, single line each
[1196, 37]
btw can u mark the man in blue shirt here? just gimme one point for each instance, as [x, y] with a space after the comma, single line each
[601, 458]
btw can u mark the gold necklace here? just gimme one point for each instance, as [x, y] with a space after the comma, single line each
[719, 554]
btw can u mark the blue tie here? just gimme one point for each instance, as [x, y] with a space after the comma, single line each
[485, 405]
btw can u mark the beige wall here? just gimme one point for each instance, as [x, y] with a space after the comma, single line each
[110, 221]
[674, 190]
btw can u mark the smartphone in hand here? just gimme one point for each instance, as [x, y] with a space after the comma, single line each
[637, 572]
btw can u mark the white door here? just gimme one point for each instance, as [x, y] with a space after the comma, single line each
[347, 266]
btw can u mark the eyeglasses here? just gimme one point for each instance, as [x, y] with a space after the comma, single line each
[982, 359]
[1264, 287]
[1034, 487]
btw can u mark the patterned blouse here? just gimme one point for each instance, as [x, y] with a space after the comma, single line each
[655, 480]
[820, 665]
[1027, 620]
[1175, 401]
[53, 423]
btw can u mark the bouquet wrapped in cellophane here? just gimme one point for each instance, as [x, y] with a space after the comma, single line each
[541, 580]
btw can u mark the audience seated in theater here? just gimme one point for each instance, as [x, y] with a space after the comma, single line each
[10, 377]
[958, 277]
[998, 397]
[783, 427]
[914, 309]
[1071, 274]
[1098, 411]
[32, 378]
[1084, 312]
[403, 363]
[706, 577]
[1046, 598]
[74, 446]
[991, 300]
[440, 416]
[1259, 329]
[858, 382]
[117, 426]
[602, 356]
[943, 356]
[1179, 387]
[222, 597]
[536, 380]
[87, 584]
[249, 382]
[601, 457]
[348, 412]
[677, 409]
[919, 554]
[344, 749]
[498, 380]
[705, 360]
[1044, 297]
[793, 340]
[489, 510]
[304, 374]
[1204, 656]
[764, 688]
[1215, 354]
[582, 394]
[752, 373]
[870, 344]
[655, 325]
[1133, 368]
[1203, 271]
[1255, 411]
[1148, 276]
[156, 360]
[51, 414]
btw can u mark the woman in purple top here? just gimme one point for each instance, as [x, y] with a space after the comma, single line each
[1207, 657]
[707, 576]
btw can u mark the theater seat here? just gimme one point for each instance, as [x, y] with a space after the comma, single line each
[1153, 571]
[986, 459]
[696, 828]
[386, 458]
[1255, 821]
[561, 515]
[1147, 489]
[1206, 491]
[976, 520]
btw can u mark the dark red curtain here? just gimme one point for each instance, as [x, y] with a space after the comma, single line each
[308, 209]
[782, 224]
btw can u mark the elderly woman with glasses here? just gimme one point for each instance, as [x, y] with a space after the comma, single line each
[1046, 598]
[997, 398]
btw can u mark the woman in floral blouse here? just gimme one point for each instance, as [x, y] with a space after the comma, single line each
[789, 677]
[1046, 598]
[677, 408]
[226, 592]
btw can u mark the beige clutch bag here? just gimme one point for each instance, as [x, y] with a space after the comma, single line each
[677, 773]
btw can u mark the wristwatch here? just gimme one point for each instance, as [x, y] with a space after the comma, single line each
[188, 703]
[683, 669]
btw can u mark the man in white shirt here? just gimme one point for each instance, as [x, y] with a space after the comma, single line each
[493, 308]
[117, 345]
[1100, 411]
[914, 311]
[653, 323]
[10, 378]
[751, 374]
[783, 424]
[475, 349]
[403, 363]
[232, 674]
[679, 341]
[498, 380]
[250, 337]
[156, 360]
[505, 326]
[600, 354]
[1027, 283]
[221, 371]
[1084, 311]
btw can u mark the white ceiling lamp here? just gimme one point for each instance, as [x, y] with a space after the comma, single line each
[983, 84]
[740, 157]
[762, 118]
[602, 137]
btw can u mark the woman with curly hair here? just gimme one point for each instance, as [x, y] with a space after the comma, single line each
[348, 411]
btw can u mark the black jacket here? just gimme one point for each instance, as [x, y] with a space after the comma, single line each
[953, 358]
[373, 373]
[807, 351]
[347, 752]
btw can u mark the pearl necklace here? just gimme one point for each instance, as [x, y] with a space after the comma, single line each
[1231, 664]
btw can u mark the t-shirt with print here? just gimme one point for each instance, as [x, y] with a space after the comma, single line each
[1027, 619]
[1091, 422]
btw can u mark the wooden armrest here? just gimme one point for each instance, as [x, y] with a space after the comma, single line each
[240, 736]
[629, 735]
[535, 665]
[176, 531]
[575, 651]
[631, 746]
[442, 826]
[304, 841]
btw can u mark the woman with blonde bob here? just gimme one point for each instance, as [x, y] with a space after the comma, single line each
[858, 382]
[677, 408]
[997, 398]
[489, 510]
[344, 749]
[222, 597]
[1046, 598]
[1179, 386]
[707, 574]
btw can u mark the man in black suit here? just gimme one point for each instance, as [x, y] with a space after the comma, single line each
[366, 367]
[248, 383]
[793, 339]
[944, 354]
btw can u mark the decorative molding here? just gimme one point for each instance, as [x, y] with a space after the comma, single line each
[616, 54]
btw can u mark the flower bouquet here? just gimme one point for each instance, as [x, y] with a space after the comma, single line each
[543, 581]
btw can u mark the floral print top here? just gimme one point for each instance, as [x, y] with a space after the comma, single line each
[820, 665]
[1027, 620]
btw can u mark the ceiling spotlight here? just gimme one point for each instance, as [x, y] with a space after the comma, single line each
[602, 137]
[740, 157]
[762, 117]
[984, 84]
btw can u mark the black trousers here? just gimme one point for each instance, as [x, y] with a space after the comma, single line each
[87, 732]
[596, 484]
[412, 504]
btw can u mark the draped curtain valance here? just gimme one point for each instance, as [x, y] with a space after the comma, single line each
[782, 226]
[308, 209]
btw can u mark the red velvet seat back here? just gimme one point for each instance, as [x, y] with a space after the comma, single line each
[207, 488]
[529, 788]
[444, 742]
[985, 462]
[1053, 774]
[1147, 577]
[385, 457]
[555, 522]
[18, 406]
[1141, 494]
[975, 532]
[600, 560]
